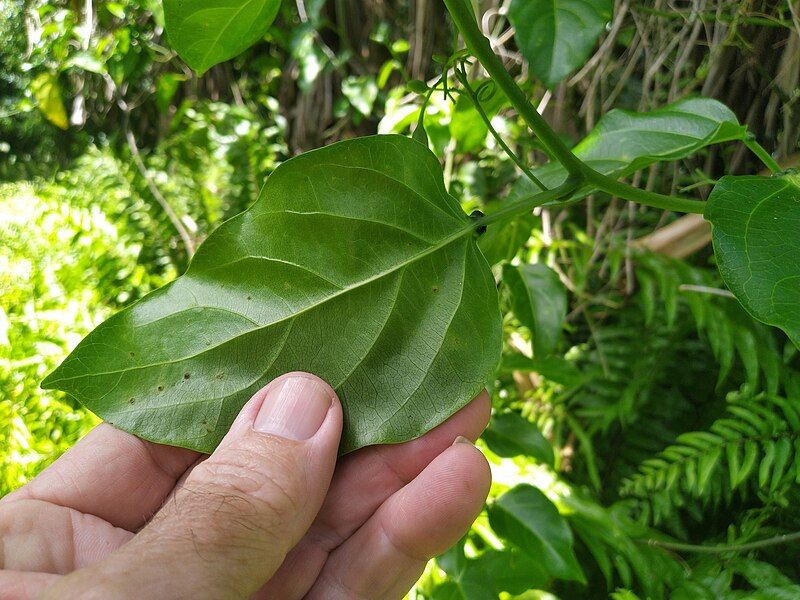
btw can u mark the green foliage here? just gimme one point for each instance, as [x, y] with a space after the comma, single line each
[659, 419]
[624, 142]
[526, 518]
[510, 435]
[756, 220]
[63, 264]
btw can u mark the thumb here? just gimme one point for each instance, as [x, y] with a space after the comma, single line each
[229, 525]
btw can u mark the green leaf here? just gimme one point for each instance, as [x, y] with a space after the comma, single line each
[354, 264]
[208, 32]
[756, 234]
[624, 142]
[557, 36]
[539, 301]
[166, 88]
[361, 91]
[526, 518]
[46, 90]
[511, 435]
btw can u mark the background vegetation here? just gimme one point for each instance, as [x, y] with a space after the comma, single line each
[667, 419]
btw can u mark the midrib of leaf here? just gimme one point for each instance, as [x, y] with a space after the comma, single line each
[410, 260]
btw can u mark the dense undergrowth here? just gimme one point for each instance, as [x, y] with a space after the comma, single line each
[669, 419]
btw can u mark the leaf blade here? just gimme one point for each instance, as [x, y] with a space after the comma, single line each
[368, 276]
[208, 32]
[754, 223]
[525, 517]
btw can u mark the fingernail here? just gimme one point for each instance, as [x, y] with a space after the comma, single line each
[294, 408]
[462, 440]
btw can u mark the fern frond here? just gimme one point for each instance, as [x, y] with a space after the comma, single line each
[755, 449]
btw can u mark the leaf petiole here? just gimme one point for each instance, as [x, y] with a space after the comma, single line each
[529, 202]
[762, 155]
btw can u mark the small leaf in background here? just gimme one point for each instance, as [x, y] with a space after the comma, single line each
[756, 234]
[208, 32]
[539, 301]
[166, 88]
[369, 277]
[557, 36]
[526, 518]
[417, 86]
[47, 93]
[512, 435]
[87, 62]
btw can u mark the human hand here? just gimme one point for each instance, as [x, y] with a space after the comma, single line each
[269, 515]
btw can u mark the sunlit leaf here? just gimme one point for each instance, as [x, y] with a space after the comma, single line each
[488, 575]
[624, 142]
[207, 32]
[354, 264]
[47, 93]
[756, 235]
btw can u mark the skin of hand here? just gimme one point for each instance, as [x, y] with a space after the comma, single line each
[270, 514]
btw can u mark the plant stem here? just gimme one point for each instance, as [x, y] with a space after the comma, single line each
[764, 156]
[773, 541]
[529, 202]
[464, 19]
[634, 194]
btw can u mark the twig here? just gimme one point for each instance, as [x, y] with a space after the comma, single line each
[786, 538]
[186, 238]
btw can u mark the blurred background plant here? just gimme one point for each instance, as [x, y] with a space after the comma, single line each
[645, 449]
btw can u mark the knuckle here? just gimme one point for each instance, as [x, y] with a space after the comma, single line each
[254, 482]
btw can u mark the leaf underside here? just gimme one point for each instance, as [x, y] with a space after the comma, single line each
[354, 264]
[756, 235]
